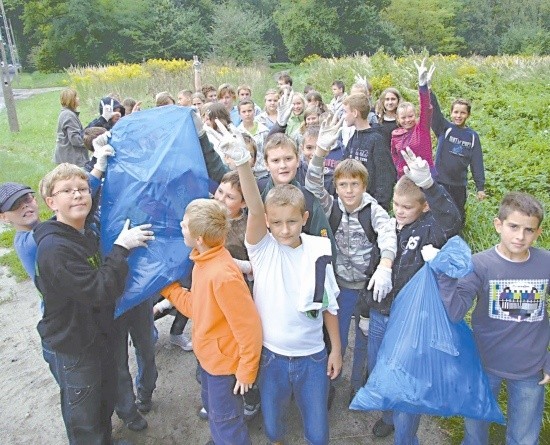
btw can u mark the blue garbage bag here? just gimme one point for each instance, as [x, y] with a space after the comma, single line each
[158, 169]
[426, 363]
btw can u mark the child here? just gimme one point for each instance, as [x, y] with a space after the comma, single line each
[269, 116]
[227, 96]
[79, 292]
[227, 332]
[297, 115]
[354, 259]
[314, 99]
[425, 214]
[284, 81]
[458, 147]
[510, 284]
[245, 92]
[210, 93]
[291, 270]
[311, 133]
[255, 129]
[366, 145]
[164, 98]
[110, 111]
[184, 98]
[338, 95]
[413, 134]
[386, 113]
[198, 100]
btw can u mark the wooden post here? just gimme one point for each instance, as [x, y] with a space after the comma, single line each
[7, 91]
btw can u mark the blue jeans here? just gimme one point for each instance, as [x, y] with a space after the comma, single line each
[138, 322]
[525, 406]
[225, 409]
[360, 354]
[87, 386]
[306, 377]
[405, 424]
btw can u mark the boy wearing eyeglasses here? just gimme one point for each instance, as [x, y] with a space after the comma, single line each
[79, 289]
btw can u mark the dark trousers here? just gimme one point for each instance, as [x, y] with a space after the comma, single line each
[458, 194]
[88, 388]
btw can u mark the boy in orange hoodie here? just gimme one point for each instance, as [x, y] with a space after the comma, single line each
[227, 332]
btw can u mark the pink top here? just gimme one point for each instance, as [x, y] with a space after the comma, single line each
[418, 138]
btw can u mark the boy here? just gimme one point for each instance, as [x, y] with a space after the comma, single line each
[245, 92]
[458, 148]
[425, 214]
[294, 282]
[184, 98]
[510, 284]
[227, 335]
[255, 129]
[369, 257]
[79, 292]
[227, 96]
[366, 145]
[338, 95]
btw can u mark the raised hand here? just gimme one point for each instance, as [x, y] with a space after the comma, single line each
[417, 169]
[107, 112]
[329, 133]
[232, 144]
[423, 73]
[284, 107]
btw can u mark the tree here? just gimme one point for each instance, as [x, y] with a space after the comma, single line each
[308, 27]
[238, 35]
[425, 24]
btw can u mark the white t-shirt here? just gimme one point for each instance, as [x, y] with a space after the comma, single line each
[278, 278]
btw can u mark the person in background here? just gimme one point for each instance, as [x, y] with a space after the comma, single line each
[69, 145]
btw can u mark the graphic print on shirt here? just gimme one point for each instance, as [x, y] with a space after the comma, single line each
[517, 300]
[459, 146]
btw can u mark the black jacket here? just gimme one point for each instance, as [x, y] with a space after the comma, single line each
[78, 288]
[434, 227]
[101, 121]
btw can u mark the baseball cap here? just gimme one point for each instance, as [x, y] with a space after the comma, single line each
[11, 192]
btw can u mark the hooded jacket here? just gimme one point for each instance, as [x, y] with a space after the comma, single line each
[78, 288]
[101, 121]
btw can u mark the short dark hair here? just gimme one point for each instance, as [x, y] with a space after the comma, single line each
[462, 102]
[339, 84]
[285, 78]
[522, 203]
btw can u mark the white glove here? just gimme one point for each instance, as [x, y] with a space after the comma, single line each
[102, 156]
[134, 237]
[424, 76]
[329, 133]
[362, 80]
[364, 325]
[381, 281]
[284, 107]
[232, 144]
[199, 124]
[417, 169]
[429, 252]
[107, 112]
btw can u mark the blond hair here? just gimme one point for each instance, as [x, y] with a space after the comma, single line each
[209, 219]
[68, 98]
[351, 168]
[279, 140]
[406, 187]
[60, 173]
[164, 98]
[286, 195]
[359, 102]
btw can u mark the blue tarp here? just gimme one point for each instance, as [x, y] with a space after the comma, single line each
[158, 169]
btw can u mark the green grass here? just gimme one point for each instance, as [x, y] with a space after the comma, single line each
[40, 80]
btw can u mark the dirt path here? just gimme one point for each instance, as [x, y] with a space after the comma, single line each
[19, 94]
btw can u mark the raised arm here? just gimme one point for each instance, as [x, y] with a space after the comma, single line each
[439, 123]
[197, 72]
[232, 144]
[214, 164]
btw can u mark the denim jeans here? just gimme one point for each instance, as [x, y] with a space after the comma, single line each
[360, 354]
[405, 424]
[87, 386]
[225, 409]
[138, 322]
[304, 377]
[525, 407]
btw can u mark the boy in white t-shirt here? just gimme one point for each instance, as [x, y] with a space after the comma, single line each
[294, 358]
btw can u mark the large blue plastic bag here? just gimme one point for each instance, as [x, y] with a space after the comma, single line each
[426, 363]
[158, 169]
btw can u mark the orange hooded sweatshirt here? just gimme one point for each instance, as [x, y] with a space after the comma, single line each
[227, 331]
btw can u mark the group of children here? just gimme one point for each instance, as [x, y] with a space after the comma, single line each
[312, 237]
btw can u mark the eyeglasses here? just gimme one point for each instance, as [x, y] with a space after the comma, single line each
[19, 202]
[84, 191]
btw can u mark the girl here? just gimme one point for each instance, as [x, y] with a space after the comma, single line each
[269, 116]
[386, 112]
[209, 113]
[412, 133]
[69, 145]
[297, 116]
[198, 100]
[314, 98]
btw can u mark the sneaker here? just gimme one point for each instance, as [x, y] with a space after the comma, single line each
[182, 341]
[203, 414]
[381, 429]
[136, 423]
[144, 406]
[251, 411]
